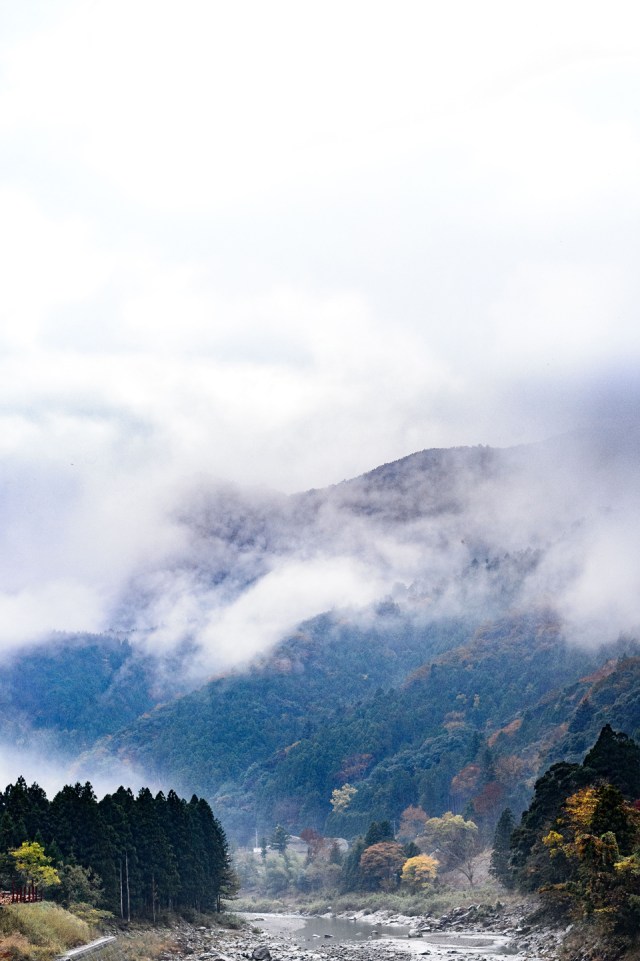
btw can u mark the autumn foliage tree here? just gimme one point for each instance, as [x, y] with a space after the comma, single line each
[412, 822]
[342, 797]
[581, 850]
[419, 872]
[381, 863]
[454, 841]
[33, 865]
[316, 843]
[586, 855]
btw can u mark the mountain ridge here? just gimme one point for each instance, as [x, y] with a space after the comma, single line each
[468, 549]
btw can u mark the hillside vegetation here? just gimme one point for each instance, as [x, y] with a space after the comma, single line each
[453, 691]
[469, 729]
[578, 842]
[40, 932]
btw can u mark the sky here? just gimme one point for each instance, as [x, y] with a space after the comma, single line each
[278, 244]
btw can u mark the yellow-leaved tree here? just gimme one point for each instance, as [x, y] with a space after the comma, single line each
[419, 872]
[456, 841]
[34, 866]
[342, 797]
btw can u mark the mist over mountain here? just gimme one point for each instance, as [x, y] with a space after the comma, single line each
[407, 712]
[506, 575]
[239, 288]
[441, 532]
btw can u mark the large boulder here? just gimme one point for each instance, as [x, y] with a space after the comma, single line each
[261, 953]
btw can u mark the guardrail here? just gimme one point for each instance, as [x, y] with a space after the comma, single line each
[102, 949]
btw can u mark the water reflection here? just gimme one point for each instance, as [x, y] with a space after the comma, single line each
[328, 930]
[316, 929]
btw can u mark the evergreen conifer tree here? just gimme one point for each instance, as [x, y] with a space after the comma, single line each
[500, 866]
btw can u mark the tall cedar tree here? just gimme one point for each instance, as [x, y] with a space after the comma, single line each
[148, 853]
[500, 866]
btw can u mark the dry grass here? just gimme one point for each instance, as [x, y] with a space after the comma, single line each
[15, 947]
[39, 931]
[144, 944]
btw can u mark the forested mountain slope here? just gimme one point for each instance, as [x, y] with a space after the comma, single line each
[465, 530]
[471, 727]
[72, 689]
[501, 589]
[210, 738]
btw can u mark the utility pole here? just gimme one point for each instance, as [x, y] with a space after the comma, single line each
[126, 865]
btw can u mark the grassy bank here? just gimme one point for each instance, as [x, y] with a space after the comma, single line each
[39, 932]
[435, 902]
[44, 931]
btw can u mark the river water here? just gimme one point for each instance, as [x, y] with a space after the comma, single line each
[316, 930]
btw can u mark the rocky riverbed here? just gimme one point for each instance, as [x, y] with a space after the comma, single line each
[476, 933]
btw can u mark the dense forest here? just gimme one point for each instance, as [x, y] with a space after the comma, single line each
[448, 716]
[131, 855]
[406, 713]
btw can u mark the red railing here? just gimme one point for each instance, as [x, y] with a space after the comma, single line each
[21, 894]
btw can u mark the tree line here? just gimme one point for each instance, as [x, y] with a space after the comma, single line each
[132, 855]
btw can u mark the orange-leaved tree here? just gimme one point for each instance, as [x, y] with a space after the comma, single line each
[381, 864]
[412, 822]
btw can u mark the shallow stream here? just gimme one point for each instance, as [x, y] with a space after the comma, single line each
[318, 929]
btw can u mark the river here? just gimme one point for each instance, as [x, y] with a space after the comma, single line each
[325, 930]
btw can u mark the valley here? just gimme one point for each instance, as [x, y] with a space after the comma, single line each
[444, 698]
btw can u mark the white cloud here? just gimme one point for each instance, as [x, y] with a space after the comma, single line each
[29, 614]
[48, 263]
[559, 316]
[287, 595]
[280, 244]
[52, 771]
